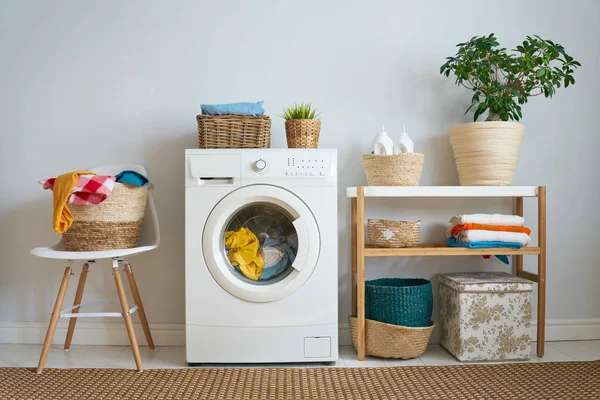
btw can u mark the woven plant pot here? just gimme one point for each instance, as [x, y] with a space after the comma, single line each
[113, 224]
[486, 153]
[302, 133]
[399, 301]
[387, 233]
[397, 170]
[391, 341]
[233, 132]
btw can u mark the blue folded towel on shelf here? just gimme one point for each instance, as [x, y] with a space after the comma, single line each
[482, 245]
[452, 242]
[248, 109]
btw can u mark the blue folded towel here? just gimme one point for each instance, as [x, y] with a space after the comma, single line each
[485, 245]
[250, 109]
[482, 245]
[132, 178]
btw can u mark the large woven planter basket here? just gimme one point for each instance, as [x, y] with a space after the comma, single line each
[233, 132]
[303, 133]
[394, 170]
[399, 301]
[388, 233]
[391, 341]
[113, 224]
[486, 153]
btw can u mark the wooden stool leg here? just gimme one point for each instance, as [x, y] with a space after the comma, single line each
[127, 317]
[54, 319]
[138, 302]
[77, 301]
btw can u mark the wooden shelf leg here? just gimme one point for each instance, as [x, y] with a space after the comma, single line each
[360, 270]
[77, 301]
[541, 313]
[54, 319]
[354, 247]
[519, 259]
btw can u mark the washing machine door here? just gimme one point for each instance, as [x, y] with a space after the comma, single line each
[288, 238]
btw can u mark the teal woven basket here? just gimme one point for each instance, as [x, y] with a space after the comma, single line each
[399, 301]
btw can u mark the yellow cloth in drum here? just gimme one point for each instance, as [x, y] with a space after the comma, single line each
[244, 252]
[63, 186]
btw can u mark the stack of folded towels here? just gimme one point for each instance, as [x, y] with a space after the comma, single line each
[479, 231]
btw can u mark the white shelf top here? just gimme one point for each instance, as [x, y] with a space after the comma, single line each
[445, 191]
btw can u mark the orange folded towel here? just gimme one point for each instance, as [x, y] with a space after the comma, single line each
[465, 227]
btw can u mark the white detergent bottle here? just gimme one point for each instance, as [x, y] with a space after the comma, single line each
[383, 145]
[404, 144]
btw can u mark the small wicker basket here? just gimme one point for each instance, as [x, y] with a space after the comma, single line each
[302, 133]
[113, 224]
[391, 341]
[394, 170]
[387, 233]
[233, 132]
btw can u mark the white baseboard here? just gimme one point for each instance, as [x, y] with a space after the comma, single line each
[111, 333]
[91, 333]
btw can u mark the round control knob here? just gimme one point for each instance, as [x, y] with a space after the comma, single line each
[261, 166]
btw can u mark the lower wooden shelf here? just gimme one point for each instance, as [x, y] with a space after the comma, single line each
[442, 250]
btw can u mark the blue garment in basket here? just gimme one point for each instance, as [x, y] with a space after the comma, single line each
[132, 178]
[249, 109]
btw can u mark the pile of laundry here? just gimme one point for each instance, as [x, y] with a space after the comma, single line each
[83, 188]
[262, 259]
[481, 231]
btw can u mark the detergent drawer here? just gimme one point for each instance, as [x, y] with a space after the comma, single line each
[213, 169]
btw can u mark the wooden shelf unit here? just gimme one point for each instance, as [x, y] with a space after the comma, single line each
[360, 250]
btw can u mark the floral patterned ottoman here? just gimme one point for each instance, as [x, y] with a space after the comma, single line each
[486, 316]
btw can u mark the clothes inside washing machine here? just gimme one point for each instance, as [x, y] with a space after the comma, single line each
[261, 242]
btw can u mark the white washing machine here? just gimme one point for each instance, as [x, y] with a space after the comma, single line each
[287, 198]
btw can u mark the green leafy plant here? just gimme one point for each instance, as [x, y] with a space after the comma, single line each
[299, 111]
[502, 82]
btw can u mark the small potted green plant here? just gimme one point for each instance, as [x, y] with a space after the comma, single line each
[302, 126]
[487, 153]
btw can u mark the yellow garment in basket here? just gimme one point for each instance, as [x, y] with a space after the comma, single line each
[244, 252]
[63, 186]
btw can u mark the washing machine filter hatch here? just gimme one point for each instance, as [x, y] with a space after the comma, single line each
[273, 227]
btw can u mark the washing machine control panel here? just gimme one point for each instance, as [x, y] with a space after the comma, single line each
[294, 164]
[308, 165]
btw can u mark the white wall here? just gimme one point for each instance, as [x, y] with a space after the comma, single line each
[85, 83]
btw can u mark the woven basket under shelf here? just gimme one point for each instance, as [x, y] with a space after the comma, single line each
[399, 301]
[391, 341]
[302, 133]
[388, 233]
[233, 131]
[113, 224]
[394, 170]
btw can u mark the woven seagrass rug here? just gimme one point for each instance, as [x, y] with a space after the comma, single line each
[568, 380]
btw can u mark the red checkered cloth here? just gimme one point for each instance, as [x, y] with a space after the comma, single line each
[89, 190]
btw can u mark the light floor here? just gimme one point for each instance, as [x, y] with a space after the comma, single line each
[26, 355]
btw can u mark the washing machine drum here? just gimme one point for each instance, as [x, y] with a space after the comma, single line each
[261, 243]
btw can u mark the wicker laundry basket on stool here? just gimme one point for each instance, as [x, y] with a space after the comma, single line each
[113, 224]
